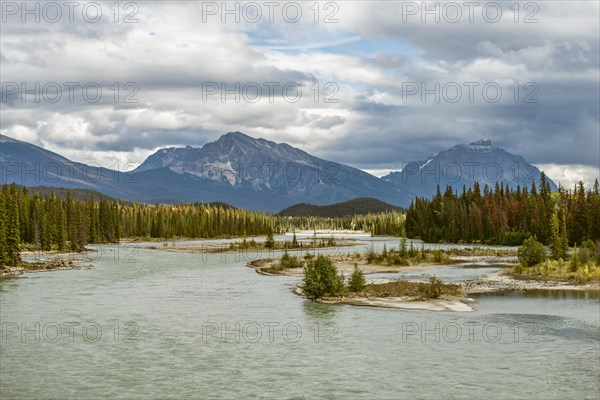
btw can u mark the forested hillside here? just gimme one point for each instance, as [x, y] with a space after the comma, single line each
[76, 194]
[63, 223]
[359, 206]
[506, 216]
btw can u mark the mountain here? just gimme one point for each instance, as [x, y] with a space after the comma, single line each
[30, 165]
[236, 169]
[360, 206]
[278, 171]
[262, 175]
[464, 164]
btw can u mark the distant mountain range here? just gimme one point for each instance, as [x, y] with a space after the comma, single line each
[281, 173]
[262, 175]
[462, 165]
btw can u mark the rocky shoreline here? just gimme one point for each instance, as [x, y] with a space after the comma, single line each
[46, 261]
[443, 303]
[499, 282]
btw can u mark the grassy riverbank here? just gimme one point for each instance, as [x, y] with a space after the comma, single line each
[558, 271]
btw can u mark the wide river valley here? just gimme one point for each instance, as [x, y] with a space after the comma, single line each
[148, 324]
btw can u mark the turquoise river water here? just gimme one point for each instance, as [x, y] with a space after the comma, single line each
[154, 324]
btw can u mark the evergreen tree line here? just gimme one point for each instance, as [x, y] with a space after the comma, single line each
[501, 216]
[48, 222]
[388, 223]
[52, 223]
[508, 216]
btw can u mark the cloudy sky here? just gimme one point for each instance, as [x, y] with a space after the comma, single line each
[369, 84]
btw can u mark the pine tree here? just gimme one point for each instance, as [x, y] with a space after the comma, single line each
[45, 231]
[321, 279]
[357, 282]
[270, 241]
[580, 224]
[558, 251]
[403, 249]
[574, 263]
[594, 212]
[61, 231]
[92, 221]
[564, 240]
[3, 221]
[546, 210]
[531, 253]
[25, 215]
[13, 232]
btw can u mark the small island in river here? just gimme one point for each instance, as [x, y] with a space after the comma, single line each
[434, 295]
[269, 245]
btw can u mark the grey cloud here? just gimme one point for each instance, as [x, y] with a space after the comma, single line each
[328, 122]
[377, 132]
[153, 138]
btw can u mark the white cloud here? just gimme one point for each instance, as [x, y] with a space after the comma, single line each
[379, 172]
[569, 175]
[146, 119]
[21, 132]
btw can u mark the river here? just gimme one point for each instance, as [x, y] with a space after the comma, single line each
[154, 324]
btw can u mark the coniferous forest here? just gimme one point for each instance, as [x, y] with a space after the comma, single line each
[498, 216]
[508, 217]
[49, 222]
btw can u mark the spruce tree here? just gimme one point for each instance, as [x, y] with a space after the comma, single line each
[270, 242]
[556, 239]
[357, 282]
[403, 249]
[61, 231]
[563, 236]
[13, 232]
[321, 279]
[580, 224]
[575, 263]
[3, 221]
